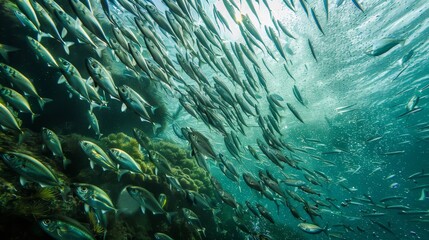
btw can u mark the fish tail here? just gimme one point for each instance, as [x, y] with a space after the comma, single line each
[5, 49]
[34, 116]
[43, 101]
[66, 46]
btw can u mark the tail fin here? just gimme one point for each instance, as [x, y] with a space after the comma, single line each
[5, 49]
[43, 101]
[66, 46]
[33, 116]
[121, 173]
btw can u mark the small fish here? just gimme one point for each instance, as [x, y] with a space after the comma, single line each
[93, 123]
[65, 228]
[52, 142]
[102, 77]
[30, 169]
[8, 121]
[96, 155]
[135, 102]
[147, 201]
[383, 45]
[311, 228]
[162, 236]
[295, 112]
[313, 14]
[17, 101]
[125, 161]
[94, 197]
[201, 144]
[72, 76]
[312, 50]
[20, 81]
[27, 8]
[358, 5]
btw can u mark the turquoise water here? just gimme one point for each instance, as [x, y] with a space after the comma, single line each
[351, 121]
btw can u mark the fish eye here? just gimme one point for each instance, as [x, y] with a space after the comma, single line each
[83, 189]
[46, 222]
[93, 65]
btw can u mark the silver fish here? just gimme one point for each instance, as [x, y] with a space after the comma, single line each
[22, 82]
[30, 169]
[52, 142]
[65, 228]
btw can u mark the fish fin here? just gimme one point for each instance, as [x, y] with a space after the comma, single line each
[42, 35]
[66, 46]
[121, 173]
[99, 51]
[33, 116]
[423, 195]
[5, 49]
[143, 209]
[62, 79]
[23, 181]
[153, 109]
[63, 32]
[91, 163]
[86, 207]
[123, 107]
[43, 101]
